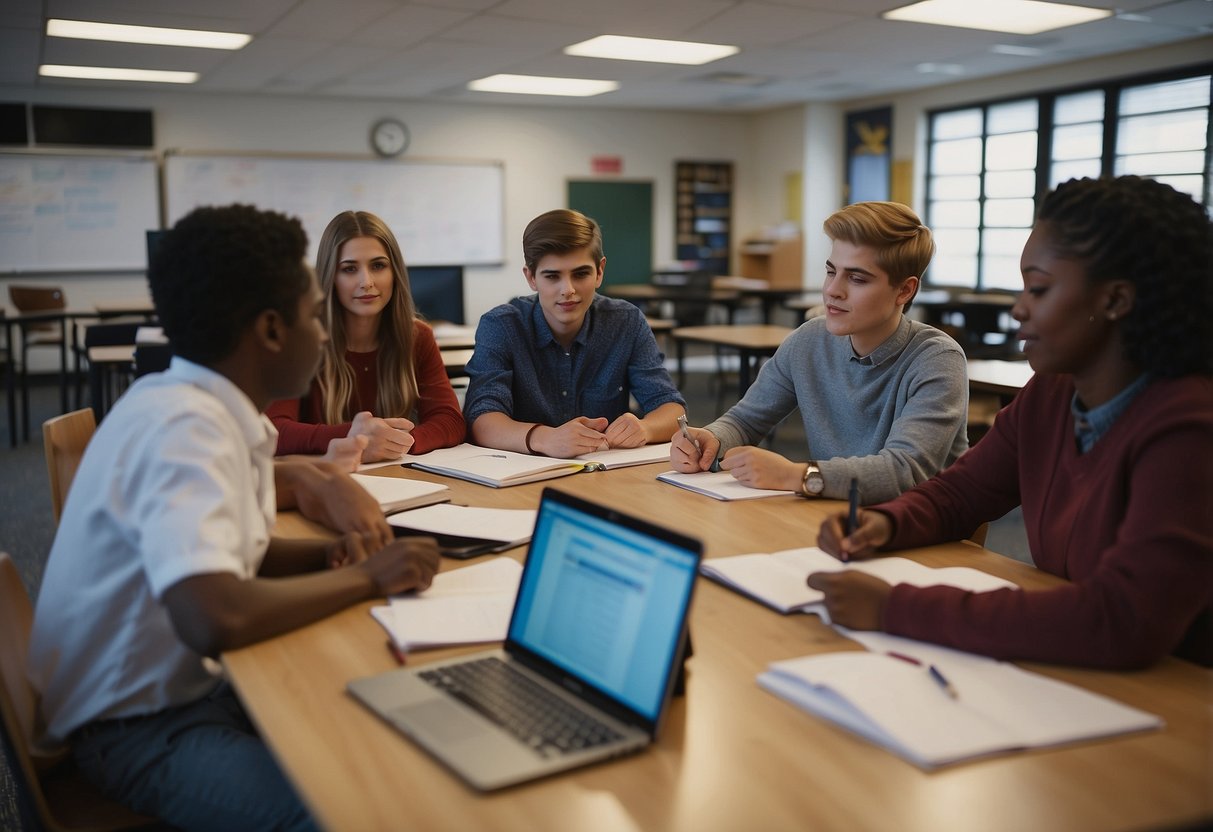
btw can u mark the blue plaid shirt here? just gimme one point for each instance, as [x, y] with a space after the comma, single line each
[519, 369]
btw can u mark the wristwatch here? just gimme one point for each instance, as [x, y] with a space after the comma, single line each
[813, 483]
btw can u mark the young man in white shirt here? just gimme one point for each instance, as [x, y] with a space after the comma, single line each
[164, 557]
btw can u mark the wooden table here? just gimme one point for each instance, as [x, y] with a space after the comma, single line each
[1002, 378]
[732, 756]
[456, 361]
[752, 342]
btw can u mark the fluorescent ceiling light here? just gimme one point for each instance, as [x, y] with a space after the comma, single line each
[87, 30]
[1021, 17]
[109, 73]
[623, 48]
[542, 85]
[1018, 51]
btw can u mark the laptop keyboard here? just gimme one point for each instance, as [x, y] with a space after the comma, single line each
[529, 711]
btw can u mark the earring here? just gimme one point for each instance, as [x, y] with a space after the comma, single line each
[1111, 316]
[1091, 319]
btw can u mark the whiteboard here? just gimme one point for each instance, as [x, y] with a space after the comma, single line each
[76, 212]
[440, 212]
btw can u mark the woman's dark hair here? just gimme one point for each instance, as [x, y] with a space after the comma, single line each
[1161, 241]
[218, 269]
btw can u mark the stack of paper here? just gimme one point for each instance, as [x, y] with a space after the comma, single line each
[896, 702]
[462, 606]
[466, 531]
[778, 580]
[398, 494]
[720, 485]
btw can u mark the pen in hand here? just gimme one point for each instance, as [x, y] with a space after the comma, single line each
[853, 510]
[682, 426]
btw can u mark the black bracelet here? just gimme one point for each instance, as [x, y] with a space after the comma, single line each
[527, 441]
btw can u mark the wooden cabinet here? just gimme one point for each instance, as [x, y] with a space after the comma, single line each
[703, 214]
[779, 262]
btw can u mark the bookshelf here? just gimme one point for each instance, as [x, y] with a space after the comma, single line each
[703, 214]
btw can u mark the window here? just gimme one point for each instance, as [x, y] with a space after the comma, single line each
[988, 165]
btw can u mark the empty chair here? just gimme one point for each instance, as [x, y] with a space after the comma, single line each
[64, 439]
[48, 781]
[43, 308]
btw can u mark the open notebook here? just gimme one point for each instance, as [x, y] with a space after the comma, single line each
[890, 695]
[778, 579]
[588, 665]
[499, 469]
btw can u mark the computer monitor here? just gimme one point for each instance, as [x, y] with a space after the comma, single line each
[438, 292]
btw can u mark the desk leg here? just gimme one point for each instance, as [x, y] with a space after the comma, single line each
[24, 388]
[682, 367]
[63, 406]
[743, 372]
[10, 383]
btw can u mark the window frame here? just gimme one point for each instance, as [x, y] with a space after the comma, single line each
[1046, 107]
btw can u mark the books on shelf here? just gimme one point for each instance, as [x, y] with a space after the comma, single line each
[719, 485]
[500, 469]
[778, 579]
[468, 531]
[892, 695]
[470, 605]
[398, 494]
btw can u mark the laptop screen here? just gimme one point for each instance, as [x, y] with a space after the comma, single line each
[603, 597]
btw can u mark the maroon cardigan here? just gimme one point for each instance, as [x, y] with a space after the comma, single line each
[300, 422]
[1129, 524]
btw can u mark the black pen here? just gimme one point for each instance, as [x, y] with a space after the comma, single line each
[853, 513]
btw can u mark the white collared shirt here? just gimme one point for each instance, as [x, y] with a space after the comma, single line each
[177, 481]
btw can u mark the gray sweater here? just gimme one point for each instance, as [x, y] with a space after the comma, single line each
[891, 419]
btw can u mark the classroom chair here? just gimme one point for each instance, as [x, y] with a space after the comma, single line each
[47, 779]
[64, 439]
[49, 333]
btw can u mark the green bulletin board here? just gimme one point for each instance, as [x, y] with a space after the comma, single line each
[624, 211]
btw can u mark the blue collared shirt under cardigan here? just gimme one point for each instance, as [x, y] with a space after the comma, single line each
[519, 369]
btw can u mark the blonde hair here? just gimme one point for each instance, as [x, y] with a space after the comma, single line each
[903, 245]
[396, 336]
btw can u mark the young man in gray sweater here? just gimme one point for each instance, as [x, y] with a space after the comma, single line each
[884, 399]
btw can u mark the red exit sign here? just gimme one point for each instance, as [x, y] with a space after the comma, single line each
[606, 164]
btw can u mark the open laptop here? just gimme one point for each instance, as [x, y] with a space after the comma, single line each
[587, 668]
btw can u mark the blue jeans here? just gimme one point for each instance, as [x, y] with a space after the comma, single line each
[199, 766]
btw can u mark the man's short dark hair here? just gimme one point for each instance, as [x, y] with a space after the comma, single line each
[217, 269]
[559, 232]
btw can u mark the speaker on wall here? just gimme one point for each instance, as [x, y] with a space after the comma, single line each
[91, 127]
[13, 127]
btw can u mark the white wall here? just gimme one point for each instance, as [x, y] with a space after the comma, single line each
[541, 148]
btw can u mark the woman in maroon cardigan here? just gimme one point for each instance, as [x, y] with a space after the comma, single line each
[1109, 449]
[382, 376]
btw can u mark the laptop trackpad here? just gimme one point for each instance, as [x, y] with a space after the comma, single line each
[442, 719]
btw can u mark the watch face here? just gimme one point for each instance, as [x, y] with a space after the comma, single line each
[389, 137]
[814, 481]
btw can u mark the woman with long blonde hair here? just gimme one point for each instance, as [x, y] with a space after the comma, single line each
[382, 376]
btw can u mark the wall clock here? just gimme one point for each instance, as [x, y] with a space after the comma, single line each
[389, 137]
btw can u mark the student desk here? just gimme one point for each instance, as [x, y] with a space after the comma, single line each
[731, 756]
[752, 343]
[1002, 378]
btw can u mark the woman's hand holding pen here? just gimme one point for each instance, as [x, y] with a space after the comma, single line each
[874, 530]
[693, 450]
[853, 599]
[386, 438]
